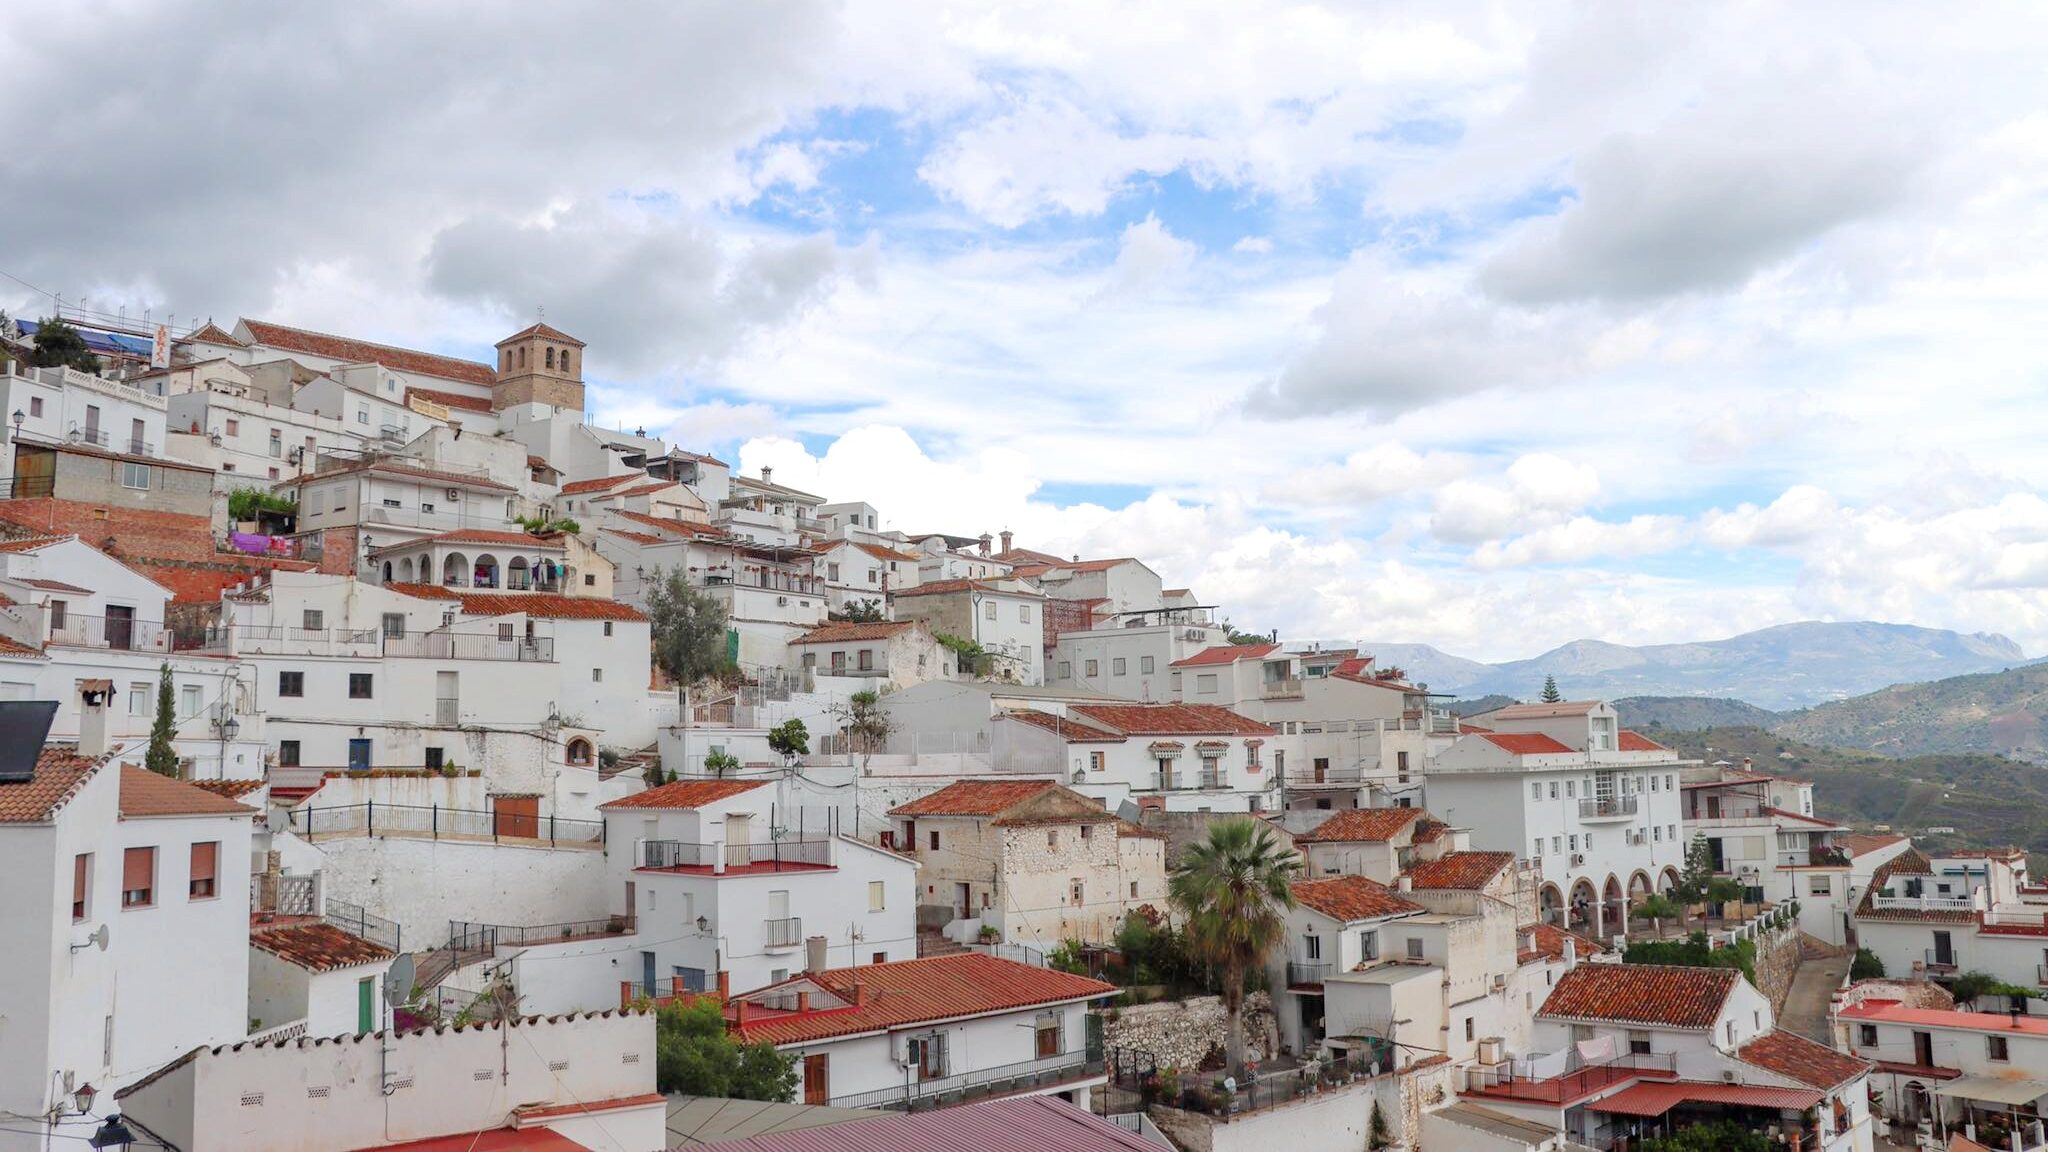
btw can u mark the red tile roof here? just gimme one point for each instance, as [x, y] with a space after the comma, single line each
[692, 528]
[351, 351]
[405, 471]
[1356, 824]
[973, 798]
[545, 606]
[840, 632]
[232, 789]
[1863, 843]
[1170, 719]
[599, 483]
[32, 543]
[1096, 565]
[1225, 654]
[1655, 1099]
[1795, 1057]
[881, 553]
[59, 772]
[318, 947]
[1008, 1124]
[545, 332]
[422, 591]
[460, 400]
[492, 536]
[1467, 871]
[145, 793]
[906, 992]
[211, 333]
[1803, 819]
[1659, 994]
[9, 647]
[685, 794]
[1026, 555]
[1550, 942]
[941, 587]
[1072, 730]
[1524, 743]
[1352, 898]
[1631, 741]
[637, 537]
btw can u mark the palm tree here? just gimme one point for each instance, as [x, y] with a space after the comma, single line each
[1232, 889]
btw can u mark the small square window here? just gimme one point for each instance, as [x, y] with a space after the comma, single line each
[359, 686]
[505, 633]
[1995, 1049]
[35, 405]
[288, 753]
[597, 675]
[138, 878]
[1116, 666]
[1145, 665]
[313, 619]
[1414, 948]
[1866, 1035]
[607, 627]
[589, 580]
[291, 683]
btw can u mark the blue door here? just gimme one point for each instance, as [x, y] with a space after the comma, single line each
[358, 755]
[647, 974]
[692, 978]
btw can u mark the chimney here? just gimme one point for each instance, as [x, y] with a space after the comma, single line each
[986, 540]
[724, 984]
[92, 716]
[1006, 539]
[739, 1008]
[1571, 953]
[767, 474]
[1404, 883]
[803, 1001]
[860, 994]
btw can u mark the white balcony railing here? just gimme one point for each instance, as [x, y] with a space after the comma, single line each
[1923, 903]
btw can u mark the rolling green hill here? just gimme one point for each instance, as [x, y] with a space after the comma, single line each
[2002, 713]
[1690, 713]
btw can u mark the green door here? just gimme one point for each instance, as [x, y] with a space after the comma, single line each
[366, 1004]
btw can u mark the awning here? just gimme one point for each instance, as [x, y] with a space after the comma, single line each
[1994, 1090]
[1655, 1099]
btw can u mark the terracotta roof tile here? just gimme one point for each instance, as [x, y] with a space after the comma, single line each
[545, 606]
[1225, 654]
[461, 400]
[905, 992]
[687, 528]
[59, 772]
[1005, 1124]
[11, 647]
[1467, 871]
[232, 789]
[480, 536]
[421, 591]
[211, 333]
[1072, 730]
[1642, 994]
[881, 553]
[685, 794]
[318, 947]
[351, 351]
[973, 798]
[1631, 741]
[545, 332]
[1549, 939]
[1795, 1057]
[637, 537]
[1170, 719]
[600, 483]
[1525, 743]
[942, 587]
[145, 793]
[840, 632]
[1097, 565]
[403, 471]
[1357, 824]
[32, 543]
[1352, 898]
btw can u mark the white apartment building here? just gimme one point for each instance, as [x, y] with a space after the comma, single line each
[1179, 757]
[1131, 660]
[1955, 912]
[723, 876]
[1945, 1065]
[878, 657]
[1338, 927]
[579, 1081]
[232, 428]
[1037, 862]
[1762, 832]
[1597, 808]
[1120, 584]
[764, 512]
[860, 571]
[932, 1032]
[128, 892]
[1008, 623]
[948, 558]
[391, 500]
[66, 406]
[1628, 1051]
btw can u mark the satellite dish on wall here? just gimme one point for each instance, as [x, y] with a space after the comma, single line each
[398, 981]
[100, 938]
[276, 820]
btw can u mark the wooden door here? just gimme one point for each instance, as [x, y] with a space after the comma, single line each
[817, 1078]
[517, 816]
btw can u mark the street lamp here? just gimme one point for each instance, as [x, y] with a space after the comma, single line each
[84, 1097]
[230, 728]
[112, 1134]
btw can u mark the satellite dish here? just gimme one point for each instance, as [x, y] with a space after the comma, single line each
[276, 820]
[100, 938]
[398, 981]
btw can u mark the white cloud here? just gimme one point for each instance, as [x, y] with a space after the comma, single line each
[1148, 256]
[1795, 517]
[1367, 475]
[1253, 246]
[1581, 539]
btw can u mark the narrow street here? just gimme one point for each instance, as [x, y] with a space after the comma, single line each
[1806, 1005]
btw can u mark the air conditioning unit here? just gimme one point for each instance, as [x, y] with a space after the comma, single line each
[454, 494]
[1194, 634]
[1578, 859]
[1729, 1076]
[782, 601]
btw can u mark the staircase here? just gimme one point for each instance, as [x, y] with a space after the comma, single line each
[932, 942]
[435, 966]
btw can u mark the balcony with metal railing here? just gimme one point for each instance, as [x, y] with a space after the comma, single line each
[790, 854]
[1284, 689]
[1887, 903]
[787, 932]
[471, 646]
[1576, 1082]
[1307, 973]
[115, 633]
[1608, 807]
[1939, 961]
[1047, 1072]
[1169, 781]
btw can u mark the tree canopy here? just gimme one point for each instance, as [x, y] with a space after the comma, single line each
[58, 345]
[1550, 693]
[695, 1056]
[1232, 889]
[162, 758]
[1720, 1136]
[789, 738]
[688, 628]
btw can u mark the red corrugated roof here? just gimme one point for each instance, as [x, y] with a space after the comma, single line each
[1352, 898]
[972, 798]
[1011, 1124]
[1794, 1056]
[600, 483]
[840, 632]
[352, 351]
[1631, 741]
[1362, 824]
[1066, 727]
[905, 992]
[1170, 719]
[1524, 743]
[1226, 654]
[685, 794]
[1642, 994]
[545, 606]
[494, 1140]
[1658, 1098]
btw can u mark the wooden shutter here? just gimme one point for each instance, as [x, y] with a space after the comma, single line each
[205, 858]
[138, 874]
[80, 865]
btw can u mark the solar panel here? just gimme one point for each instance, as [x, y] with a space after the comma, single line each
[24, 725]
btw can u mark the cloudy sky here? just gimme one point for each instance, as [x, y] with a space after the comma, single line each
[1487, 326]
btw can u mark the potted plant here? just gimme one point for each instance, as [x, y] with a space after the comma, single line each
[989, 934]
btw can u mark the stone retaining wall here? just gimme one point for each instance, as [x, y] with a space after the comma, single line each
[1178, 1034]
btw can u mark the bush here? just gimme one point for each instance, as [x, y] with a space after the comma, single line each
[1693, 952]
[249, 503]
[1866, 966]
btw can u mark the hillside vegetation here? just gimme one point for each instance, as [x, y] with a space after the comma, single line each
[1991, 801]
[2003, 713]
[1690, 713]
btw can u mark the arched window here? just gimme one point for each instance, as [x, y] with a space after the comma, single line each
[522, 357]
[579, 751]
[387, 571]
[565, 362]
[551, 358]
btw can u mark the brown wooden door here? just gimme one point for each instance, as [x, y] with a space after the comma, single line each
[817, 1079]
[517, 816]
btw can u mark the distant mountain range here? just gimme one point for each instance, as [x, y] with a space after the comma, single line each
[1787, 667]
[2004, 713]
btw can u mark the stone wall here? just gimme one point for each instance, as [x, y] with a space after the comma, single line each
[1185, 828]
[1178, 1034]
[1777, 961]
